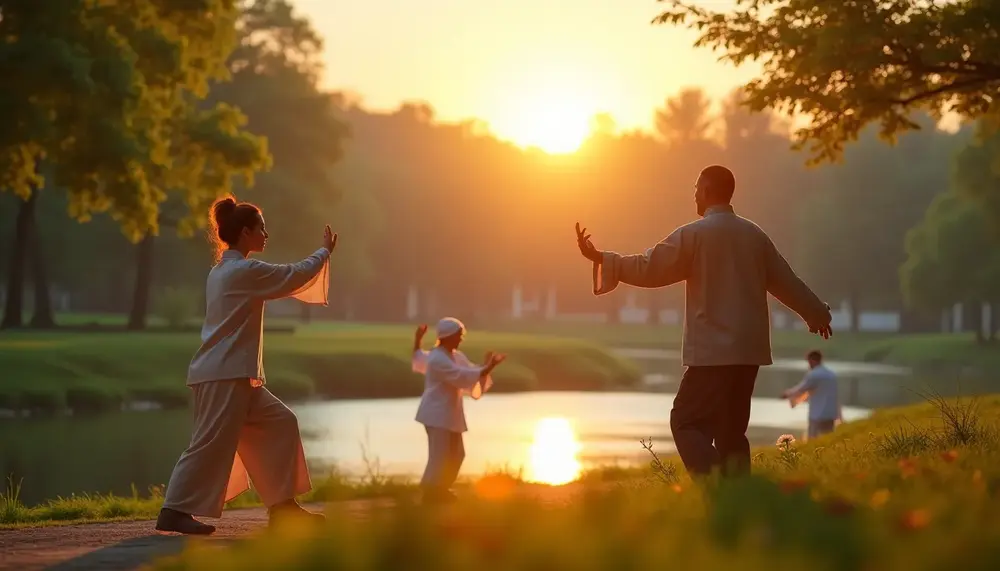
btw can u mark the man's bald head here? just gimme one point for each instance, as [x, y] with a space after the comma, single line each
[716, 185]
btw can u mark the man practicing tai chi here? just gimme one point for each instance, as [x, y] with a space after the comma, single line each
[729, 265]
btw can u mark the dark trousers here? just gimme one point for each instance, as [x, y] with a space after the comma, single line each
[710, 417]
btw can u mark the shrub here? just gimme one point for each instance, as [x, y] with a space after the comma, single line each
[45, 401]
[177, 306]
[92, 399]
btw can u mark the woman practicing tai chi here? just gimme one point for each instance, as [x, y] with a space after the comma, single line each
[241, 431]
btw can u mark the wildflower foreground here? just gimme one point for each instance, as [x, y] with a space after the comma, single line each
[912, 488]
[915, 487]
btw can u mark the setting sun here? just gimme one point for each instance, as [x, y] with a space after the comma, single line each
[553, 455]
[555, 118]
[557, 129]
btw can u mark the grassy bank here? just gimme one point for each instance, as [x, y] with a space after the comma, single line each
[913, 488]
[88, 372]
[333, 487]
[86, 508]
[928, 351]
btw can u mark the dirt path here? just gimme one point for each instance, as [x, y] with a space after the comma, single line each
[123, 545]
[129, 545]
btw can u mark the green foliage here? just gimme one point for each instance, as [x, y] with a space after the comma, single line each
[844, 65]
[275, 69]
[951, 256]
[178, 306]
[977, 176]
[104, 101]
[856, 217]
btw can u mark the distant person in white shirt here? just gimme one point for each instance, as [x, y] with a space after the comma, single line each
[448, 376]
[819, 387]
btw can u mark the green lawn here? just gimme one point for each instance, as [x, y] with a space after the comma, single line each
[914, 488]
[929, 352]
[99, 370]
[933, 352]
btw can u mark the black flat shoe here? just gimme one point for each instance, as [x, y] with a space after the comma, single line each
[177, 522]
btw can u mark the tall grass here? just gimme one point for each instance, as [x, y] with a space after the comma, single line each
[77, 508]
[865, 497]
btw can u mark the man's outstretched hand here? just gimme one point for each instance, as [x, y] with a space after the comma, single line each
[586, 246]
[824, 330]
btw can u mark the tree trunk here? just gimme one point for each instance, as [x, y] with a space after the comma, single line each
[305, 314]
[977, 322]
[42, 317]
[994, 321]
[13, 315]
[854, 300]
[143, 282]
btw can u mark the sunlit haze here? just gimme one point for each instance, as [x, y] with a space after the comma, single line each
[535, 71]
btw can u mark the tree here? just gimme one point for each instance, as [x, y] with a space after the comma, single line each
[844, 65]
[950, 259]
[273, 73]
[977, 175]
[684, 118]
[856, 214]
[104, 103]
[756, 149]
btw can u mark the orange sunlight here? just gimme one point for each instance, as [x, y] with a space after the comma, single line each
[553, 454]
[555, 120]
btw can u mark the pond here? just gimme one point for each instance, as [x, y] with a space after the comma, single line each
[550, 437]
[865, 385]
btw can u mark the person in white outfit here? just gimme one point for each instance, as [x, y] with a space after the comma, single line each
[448, 376]
[819, 387]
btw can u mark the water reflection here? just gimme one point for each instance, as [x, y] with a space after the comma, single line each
[553, 455]
[552, 436]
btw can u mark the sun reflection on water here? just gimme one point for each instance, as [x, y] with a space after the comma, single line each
[553, 455]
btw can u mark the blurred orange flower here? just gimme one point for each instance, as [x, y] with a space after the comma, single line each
[879, 498]
[912, 520]
[907, 467]
[792, 485]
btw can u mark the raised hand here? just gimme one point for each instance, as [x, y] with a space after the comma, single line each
[488, 357]
[497, 358]
[418, 336]
[329, 239]
[586, 246]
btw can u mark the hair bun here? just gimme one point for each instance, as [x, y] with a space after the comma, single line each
[223, 208]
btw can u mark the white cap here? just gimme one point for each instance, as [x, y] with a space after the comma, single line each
[449, 326]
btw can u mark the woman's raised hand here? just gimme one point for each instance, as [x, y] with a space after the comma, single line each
[329, 239]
